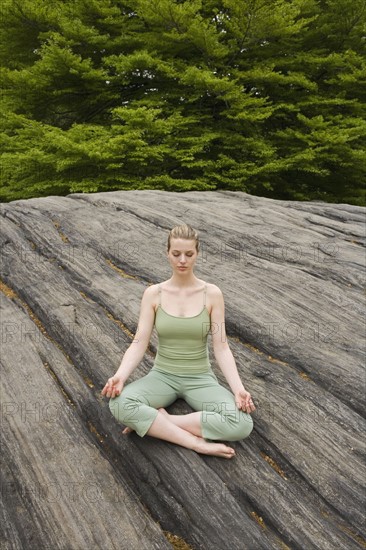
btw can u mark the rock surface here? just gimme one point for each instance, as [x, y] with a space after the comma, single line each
[73, 272]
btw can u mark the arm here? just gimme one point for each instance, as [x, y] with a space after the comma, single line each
[223, 354]
[136, 350]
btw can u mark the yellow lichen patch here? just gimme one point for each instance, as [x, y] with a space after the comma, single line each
[127, 331]
[252, 348]
[283, 545]
[88, 381]
[62, 235]
[361, 541]
[177, 542]
[234, 339]
[87, 298]
[258, 519]
[119, 270]
[93, 429]
[278, 361]
[258, 351]
[274, 465]
[67, 397]
[120, 324]
[304, 376]
[9, 292]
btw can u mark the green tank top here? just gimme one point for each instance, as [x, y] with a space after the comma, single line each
[182, 345]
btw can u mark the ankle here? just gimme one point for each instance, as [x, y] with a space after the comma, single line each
[199, 443]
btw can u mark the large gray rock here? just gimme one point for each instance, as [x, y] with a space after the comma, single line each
[73, 273]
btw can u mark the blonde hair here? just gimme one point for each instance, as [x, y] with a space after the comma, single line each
[184, 231]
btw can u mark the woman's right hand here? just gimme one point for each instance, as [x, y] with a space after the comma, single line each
[113, 386]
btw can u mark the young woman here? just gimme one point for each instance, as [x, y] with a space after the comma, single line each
[184, 310]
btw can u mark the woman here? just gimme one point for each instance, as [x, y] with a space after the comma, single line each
[183, 309]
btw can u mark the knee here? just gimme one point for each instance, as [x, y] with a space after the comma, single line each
[115, 406]
[123, 407]
[240, 427]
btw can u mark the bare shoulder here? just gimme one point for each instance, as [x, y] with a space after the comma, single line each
[151, 292]
[215, 299]
[214, 291]
[151, 295]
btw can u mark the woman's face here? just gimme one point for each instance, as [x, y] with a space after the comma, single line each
[183, 254]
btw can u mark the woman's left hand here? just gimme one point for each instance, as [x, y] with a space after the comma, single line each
[244, 400]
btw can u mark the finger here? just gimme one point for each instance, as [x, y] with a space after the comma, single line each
[116, 392]
[248, 405]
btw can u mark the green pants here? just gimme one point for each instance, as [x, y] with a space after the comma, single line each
[137, 404]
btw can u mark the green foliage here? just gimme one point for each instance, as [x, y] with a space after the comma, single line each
[263, 97]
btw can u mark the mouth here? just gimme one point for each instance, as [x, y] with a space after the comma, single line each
[179, 267]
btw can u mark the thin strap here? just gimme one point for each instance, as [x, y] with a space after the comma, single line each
[159, 294]
[204, 295]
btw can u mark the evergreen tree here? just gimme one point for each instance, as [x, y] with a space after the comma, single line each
[265, 97]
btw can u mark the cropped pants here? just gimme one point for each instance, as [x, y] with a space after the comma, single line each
[137, 404]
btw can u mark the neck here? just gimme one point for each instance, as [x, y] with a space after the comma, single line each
[183, 280]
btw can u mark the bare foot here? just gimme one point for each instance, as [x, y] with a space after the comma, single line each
[127, 430]
[216, 449]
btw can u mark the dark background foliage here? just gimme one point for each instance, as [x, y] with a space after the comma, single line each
[266, 97]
